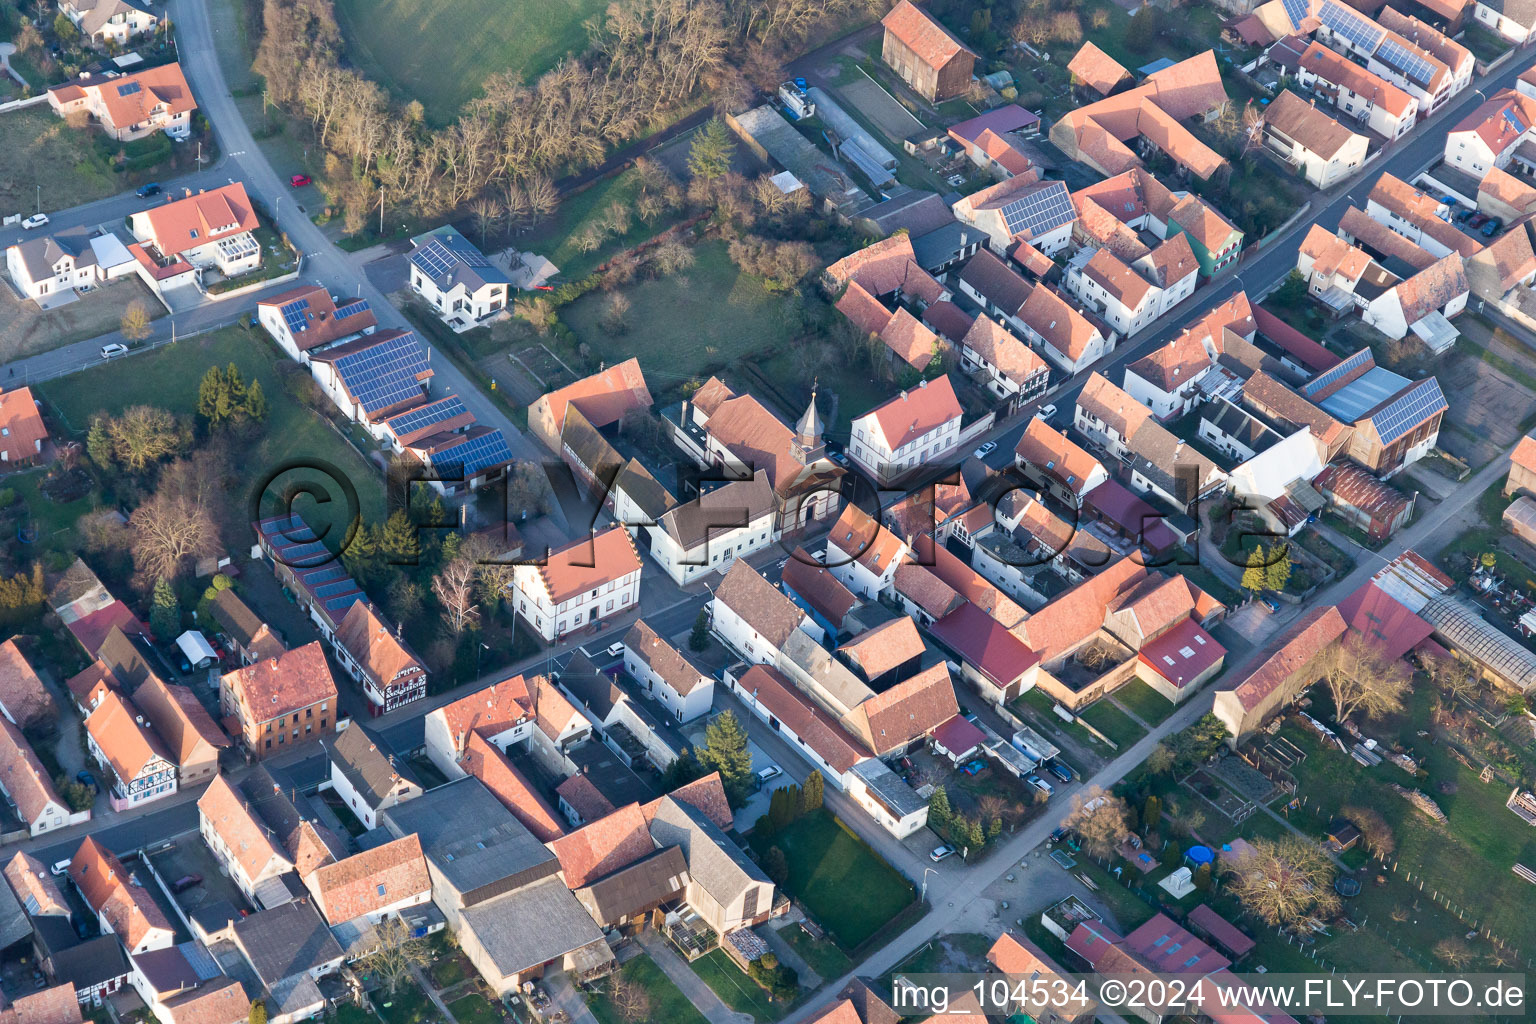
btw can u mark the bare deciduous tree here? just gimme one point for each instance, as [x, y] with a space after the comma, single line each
[143, 435]
[1360, 678]
[1455, 953]
[454, 587]
[1285, 881]
[396, 954]
[1101, 819]
[1456, 675]
[629, 998]
[1374, 830]
[169, 530]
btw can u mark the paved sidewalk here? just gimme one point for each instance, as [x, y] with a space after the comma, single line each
[565, 997]
[699, 994]
[426, 986]
[809, 979]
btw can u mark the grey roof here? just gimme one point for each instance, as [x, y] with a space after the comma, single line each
[996, 282]
[1460, 624]
[14, 924]
[889, 787]
[176, 968]
[450, 259]
[917, 211]
[286, 941]
[674, 667]
[55, 933]
[39, 255]
[590, 687]
[367, 761]
[502, 926]
[91, 963]
[612, 775]
[469, 836]
[211, 918]
[820, 173]
[276, 805]
[642, 488]
[737, 504]
[654, 879]
[714, 861]
[943, 245]
[1174, 466]
[814, 660]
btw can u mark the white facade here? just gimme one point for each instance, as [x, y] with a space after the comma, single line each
[1468, 152]
[230, 863]
[1507, 27]
[738, 634]
[873, 452]
[1125, 319]
[1386, 314]
[551, 621]
[361, 804]
[1266, 474]
[834, 778]
[1381, 120]
[861, 579]
[718, 551]
[682, 707]
[119, 28]
[1409, 229]
[1164, 404]
[68, 274]
[460, 301]
[1320, 171]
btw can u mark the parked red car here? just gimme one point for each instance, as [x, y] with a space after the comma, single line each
[299, 180]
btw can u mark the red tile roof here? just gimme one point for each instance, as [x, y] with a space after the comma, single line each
[924, 36]
[379, 652]
[22, 693]
[765, 607]
[877, 651]
[705, 794]
[1288, 653]
[1052, 451]
[321, 325]
[1219, 928]
[196, 220]
[1166, 654]
[587, 563]
[865, 311]
[1170, 948]
[22, 433]
[180, 720]
[583, 798]
[1097, 69]
[603, 847]
[817, 586]
[910, 340]
[55, 1005]
[282, 685]
[958, 736]
[922, 586]
[1303, 123]
[1174, 365]
[1501, 121]
[128, 745]
[23, 775]
[985, 643]
[1054, 319]
[1342, 71]
[245, 836]
[817, 729]
[603, 398]
[907, 711]
[511, 787]
[371, 881]
[103, 882]
[968, 583]
[30, 879]
[1120, 413]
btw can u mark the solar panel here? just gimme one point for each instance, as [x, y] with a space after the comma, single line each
[425, 416]
[1347, 23]
[1296, 10]
[1323, 380]
[467, 459]
[293, 315]
[1404, 61]
[1408, 412]
[434, 259]
[128, 89]
[352, 308]
[1040, 211]
[1514, 121]
[384, 374]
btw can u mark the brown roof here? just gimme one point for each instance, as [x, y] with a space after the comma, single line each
[877, 651]
[859, 536]
[1332, 255]
[996, 281]
[603, 847]
[1119, 411]
[969, 583]
[321, 325]
[1063, 327]
[667, 661]
[1171, 366]
[1054, 453]
[603, 398]
[917, 411]
[1350, 485]
[500, 706]
[1203, 222]
[1420, 209]
[1289, 653]
[180, 720]
[22, 693]
[243, 833]
[906, 711]
[103, 882]
[924, 36]
[817, 729]
[30, 880]
[1342, 71]
[1274, 398]
[923, 587]
[766, 608]
[587, 563]
[128, 745]
[55, 1005]
[584, 798]
[1524, 454]
[1501, 120]
[1303, 123]
[1499, 184]
[1097, 69]
[948, 320]
[817, 586]
[1431, 288]
[705, 794]
[368, 882]
[997, 345]
[1360, 226]
[756, 437]
[377, 650]
[910, 340]
[23, 775]
[486, 763]
[279, 686]
[202, 218]
[22, 425]
[244, 626]
[1164, 131]
[1075, 615]
[863, 309]
[883, 267]
[220, 1001]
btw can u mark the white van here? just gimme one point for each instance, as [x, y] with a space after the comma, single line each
[60, 867]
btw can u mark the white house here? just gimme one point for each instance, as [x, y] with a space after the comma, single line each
[306, 318]
[1490, 135]
[1039, 212]
[366, 774]
[667, 674]
[374, 377]
[243, 844]
[116, 20]
[461, 284]
[1360, 93]
[706, 535]
[1166, 380]
[1060, 333]
[919, 427]
[194, 233]
[1125, 300]
[754, 618]
[1423, 304]
[589, 579]
[862, 554]
[131, 106]
[118, 737]
[1515, 20]
[1010, 369]
[42, 268]
[26, 785]
[1321, 149]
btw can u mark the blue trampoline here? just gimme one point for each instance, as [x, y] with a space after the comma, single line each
[1198, 855]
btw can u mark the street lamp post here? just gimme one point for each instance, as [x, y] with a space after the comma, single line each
[923, 897]
[480, 646]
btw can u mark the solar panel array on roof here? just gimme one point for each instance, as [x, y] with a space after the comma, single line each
[293, 315]
[1323, 380]
[1039, 211]
[1404, 61]
[128, 90]
[478, 453]
[424, 416]
[1296, 11]
[384, 374]
[1514, 119]
[1350, 24]
[352, 308]
[1361, 396]
[1407, 412]
[438, 257]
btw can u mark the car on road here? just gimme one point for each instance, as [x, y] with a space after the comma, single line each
[37, 220]
[114, 349]
[186, 882]
[1058, 834]
[1046, 412]
[984, 450]
[940, 852]
[300, 180]
[61, 866]
[145, 191]
[1061, 771]
[616, 649]
[1040, 784]
[765, 775]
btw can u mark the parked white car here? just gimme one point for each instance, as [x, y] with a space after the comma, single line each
[112, 350]
[37, 220]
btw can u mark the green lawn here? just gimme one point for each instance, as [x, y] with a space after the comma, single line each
[555, 238]
[734, 988]
[440, 53]
[347, 1013]
[1145, 703]
[38, 149]
[474, 1009]
[694, 323]
[840, 880]
[407, 1005]
[820, 956]
[168, 377]
[667, 1002]
[1112, 722]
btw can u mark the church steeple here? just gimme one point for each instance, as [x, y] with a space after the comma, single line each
[808, 431]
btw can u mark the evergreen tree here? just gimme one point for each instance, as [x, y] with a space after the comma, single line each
[362, 556]
[776, 866]
[164, 612]
[1254, 577]
[1151, 812]
[938, 810]
[783, 805]
[221, 395]
[725, 751]
[453, 542]
[1278, 572]
[812, 792]
[995, 829]
[683, 770]
[709, 156]
[698, 640]
[401, 542]
[1202, 879]
[256, 402]
[98, 444]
